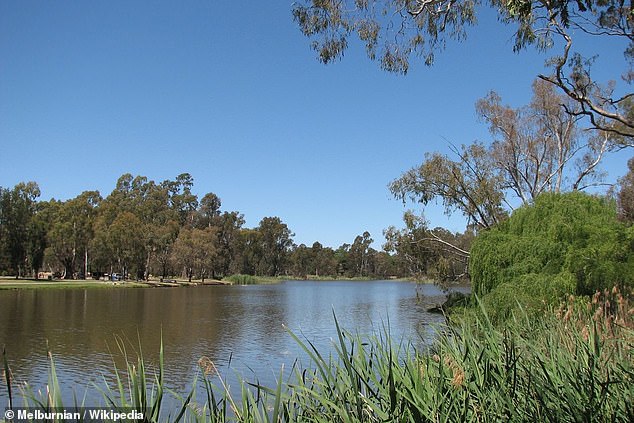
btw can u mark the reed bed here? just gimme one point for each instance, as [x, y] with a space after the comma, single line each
[573, 364]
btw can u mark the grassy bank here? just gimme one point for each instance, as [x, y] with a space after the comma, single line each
[575, 363]
[64, 284]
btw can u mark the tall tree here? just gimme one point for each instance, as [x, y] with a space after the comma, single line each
[72, 230]
[182, 200]
[250, 252]
[302, 261]
[360, 254]
[625, 196]
[323, 260]
[17, 208]
[537, 148]
[471, 184]
[39, 227]
[394, 31]
[276, 242]
[209, 210]
[195, 250]
[229, 225]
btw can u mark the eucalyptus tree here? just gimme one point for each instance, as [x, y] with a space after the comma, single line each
[536, 148]
[229, 225]
[302, 260]
[181, 198]
[324, 263]
[195, 250]
[394, 32]
[209, 210]
[39, 227]
[625, 196]
[250, 252]
[361, 254]
[71, 232]
[17, 208]
[276, 242]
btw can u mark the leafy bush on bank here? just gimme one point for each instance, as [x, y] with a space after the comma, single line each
[562, 244]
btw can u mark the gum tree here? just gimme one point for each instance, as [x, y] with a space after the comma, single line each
[395, 32]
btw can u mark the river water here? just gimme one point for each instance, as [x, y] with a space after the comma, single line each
[239, 328]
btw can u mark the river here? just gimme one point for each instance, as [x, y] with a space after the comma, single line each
[239, 328]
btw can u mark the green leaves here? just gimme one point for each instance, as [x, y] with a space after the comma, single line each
[564, 243]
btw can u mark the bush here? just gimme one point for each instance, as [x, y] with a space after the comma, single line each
[562, 244]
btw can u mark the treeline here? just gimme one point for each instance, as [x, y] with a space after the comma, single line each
[143, 229]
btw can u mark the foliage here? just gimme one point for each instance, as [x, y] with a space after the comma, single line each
[470, 185]
[395, 31]
[275, 244]
[435, 253]
[535, 149]
[17, 235]
[145, 229]
[625, 197]
[563, 244]
[571, 364]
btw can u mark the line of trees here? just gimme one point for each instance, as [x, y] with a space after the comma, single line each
[143, 229]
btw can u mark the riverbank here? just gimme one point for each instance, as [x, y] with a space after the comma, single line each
[12, 283]
[9, 282]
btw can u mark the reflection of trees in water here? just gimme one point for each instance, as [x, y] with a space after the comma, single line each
[241, 323]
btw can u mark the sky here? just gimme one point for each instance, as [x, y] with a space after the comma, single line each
[234, 95]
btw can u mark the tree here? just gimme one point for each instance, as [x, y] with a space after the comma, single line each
[181, 198]
[568, 243]
[72, 230]
[360, 254]
[276, 242]
[625, 197]
[395, 31]
[302, 261]
[249, 252]
[17, 208]
[537, 148]
[324, 262]
[119, 246]
[39, 227]
[435, 253]
[209, 210]
[471, 185]
[194, 251]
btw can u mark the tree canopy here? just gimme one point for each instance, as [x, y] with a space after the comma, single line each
[394, 32]
[562, 244]
[534, 149]
[145, 228]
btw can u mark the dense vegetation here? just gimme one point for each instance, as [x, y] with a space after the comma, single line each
[563, 244]
[143, 228]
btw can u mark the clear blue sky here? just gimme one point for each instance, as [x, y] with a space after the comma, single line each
[232, 94]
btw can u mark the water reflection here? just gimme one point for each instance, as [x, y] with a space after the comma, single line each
[241, 323]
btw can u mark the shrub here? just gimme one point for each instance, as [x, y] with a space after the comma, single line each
[562, 244]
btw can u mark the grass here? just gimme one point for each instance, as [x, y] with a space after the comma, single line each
[574, 364]
[253, 280]
[63, 284]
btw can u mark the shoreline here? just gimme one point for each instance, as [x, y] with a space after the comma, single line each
[10, 283]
